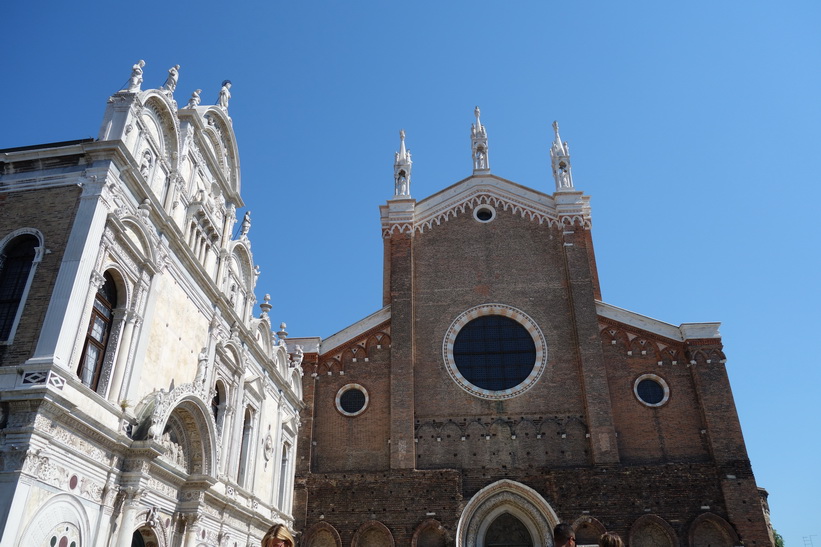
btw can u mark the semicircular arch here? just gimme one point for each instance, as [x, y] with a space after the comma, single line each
[62, 508]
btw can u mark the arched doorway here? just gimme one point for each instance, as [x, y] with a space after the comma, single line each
[506, 514]
[507, 531]
[144, 537]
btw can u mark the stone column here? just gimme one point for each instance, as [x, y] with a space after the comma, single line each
[122, 358]
[191, 520]
[130, 506]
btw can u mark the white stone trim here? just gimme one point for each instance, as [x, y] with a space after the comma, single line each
[685, 331]
[657, 379]
[507, 311]
[355, 330]
[485, 207]
[506, 496]
[347, 388]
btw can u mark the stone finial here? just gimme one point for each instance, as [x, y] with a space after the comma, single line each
[266, 305]
[402, 169]
[225, 94]
[560, 162]
[478, 145]
[195, 98]
[173, 77]
[282, 333]
[136, 76]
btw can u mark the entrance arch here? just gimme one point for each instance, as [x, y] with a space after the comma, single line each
[515, 504]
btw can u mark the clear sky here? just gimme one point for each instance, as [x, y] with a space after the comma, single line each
[694, 126]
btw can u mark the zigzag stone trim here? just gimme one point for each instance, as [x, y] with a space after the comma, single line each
[451, 210]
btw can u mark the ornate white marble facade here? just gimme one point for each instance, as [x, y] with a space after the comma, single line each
[148, 399]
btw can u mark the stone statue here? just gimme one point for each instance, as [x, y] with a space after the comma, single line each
[136, 76]
[195, 98]
[173, 76]
[246, 224]
[225, 94]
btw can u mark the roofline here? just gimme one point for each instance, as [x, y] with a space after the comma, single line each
[357, 329]
[685, 331]
[60, 144]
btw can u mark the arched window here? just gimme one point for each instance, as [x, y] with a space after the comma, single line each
[247, 425]
[16, 261]
[283, 477]
[99, 327]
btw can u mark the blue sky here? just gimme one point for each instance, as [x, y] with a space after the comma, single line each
[693, 126]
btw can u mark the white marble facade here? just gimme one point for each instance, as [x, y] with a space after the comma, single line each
[155, 407]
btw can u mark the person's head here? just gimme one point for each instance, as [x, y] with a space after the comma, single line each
[278, 536]
[563, 534]
[610, 539]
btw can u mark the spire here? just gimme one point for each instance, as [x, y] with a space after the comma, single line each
[478, 145]
[402, 169]
[560, 161]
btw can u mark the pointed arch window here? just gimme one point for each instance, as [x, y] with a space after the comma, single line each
[17, 260]
[97, 335]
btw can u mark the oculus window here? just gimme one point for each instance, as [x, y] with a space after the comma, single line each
[651, 390]
[495, 351]
[352, 400]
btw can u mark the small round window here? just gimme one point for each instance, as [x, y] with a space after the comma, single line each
[484, 213]
[651, 390]
[352, 400]
[494, 351]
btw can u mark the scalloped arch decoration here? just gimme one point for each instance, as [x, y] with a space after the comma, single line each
[453, 210]
[60, 508]
[220, 133]
[157, 109]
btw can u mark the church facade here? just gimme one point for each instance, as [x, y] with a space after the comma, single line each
[142, 402]
[496, 394]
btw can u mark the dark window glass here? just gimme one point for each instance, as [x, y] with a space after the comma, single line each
[15, 264]
[99, 327]
[484, 215]
[650, 391]
[494, 352]
[352, 401]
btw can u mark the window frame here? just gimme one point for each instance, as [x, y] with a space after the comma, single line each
[38, 257]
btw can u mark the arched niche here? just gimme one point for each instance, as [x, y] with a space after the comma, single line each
[219, 133]
[652, 531]
[188, 436]
[506, 496]
[588, 530]
[372, 533]
[710, 530]
[321, 534]
[430, 533]
[61, 514]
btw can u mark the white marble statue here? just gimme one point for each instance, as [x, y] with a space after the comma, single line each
[173, 77]
[225, 94]
[246, 224]
[136, 76]
[195, 98]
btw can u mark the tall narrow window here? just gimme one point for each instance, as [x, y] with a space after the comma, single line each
[16, 260]
[99, 327]
[283, 477]
[242, 472]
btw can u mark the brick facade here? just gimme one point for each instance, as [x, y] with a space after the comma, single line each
[577, 446]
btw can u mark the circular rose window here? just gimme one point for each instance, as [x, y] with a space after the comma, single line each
[352, 400]
[494, 351]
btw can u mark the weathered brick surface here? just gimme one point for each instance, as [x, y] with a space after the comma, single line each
[579, 437]
[51, 211]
